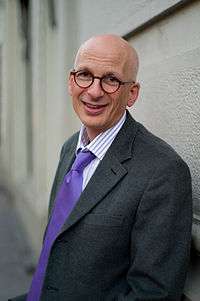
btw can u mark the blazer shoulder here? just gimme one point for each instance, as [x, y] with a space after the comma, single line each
[155, 149]
[69, 144]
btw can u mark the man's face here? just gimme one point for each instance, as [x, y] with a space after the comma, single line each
[97, 109]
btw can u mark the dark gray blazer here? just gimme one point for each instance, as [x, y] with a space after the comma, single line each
[128, 237]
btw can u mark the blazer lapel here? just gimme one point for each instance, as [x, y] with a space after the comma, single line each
[66, 160]
[107, 175]
[109, 172]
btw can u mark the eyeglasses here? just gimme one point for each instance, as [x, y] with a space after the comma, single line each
[109, 83]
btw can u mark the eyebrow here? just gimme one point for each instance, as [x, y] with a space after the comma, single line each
[108, 73]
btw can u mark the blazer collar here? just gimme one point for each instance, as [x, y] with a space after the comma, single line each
[122, 146]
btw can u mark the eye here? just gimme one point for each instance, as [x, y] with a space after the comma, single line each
[84, 75]
[111, 80]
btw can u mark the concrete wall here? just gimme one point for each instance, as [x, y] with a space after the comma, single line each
[119, 17]
[36, 114]
[170, 85]
[2, 20]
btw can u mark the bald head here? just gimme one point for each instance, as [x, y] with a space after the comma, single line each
[108, 45]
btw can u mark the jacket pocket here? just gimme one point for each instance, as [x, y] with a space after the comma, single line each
[103, 220]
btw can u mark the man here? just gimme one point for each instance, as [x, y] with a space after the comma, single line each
[127, 237]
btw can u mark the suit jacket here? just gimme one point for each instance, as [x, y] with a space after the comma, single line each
[128, 237]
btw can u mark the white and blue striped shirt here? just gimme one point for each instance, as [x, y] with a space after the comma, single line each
[98, 146]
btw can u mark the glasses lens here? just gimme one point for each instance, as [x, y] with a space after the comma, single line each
[83, 78]
[110, 84]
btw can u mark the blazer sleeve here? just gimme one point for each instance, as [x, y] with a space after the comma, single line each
[55, 181]
[161, 236]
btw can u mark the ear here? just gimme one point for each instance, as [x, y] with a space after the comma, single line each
[133, 94]
[70, 85]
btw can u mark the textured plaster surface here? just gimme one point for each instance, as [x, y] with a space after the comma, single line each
[118, 17]
[16, 256]
[169, 102]
[169, 106]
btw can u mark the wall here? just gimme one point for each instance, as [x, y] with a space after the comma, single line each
[35, 109]
[169, 103]
[2, 9]
[121, 17]
[170, 85]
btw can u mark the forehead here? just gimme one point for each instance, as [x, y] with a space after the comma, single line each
[102, 58]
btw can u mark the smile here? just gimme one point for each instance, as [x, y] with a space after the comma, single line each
[89, 105]
[93, 109]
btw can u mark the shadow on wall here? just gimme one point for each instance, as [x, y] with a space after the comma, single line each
[15, 253]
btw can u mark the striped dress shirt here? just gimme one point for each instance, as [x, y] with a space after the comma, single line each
[98, 147]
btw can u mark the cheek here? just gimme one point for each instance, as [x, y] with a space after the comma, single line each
[75, 94]
[119, 103]
[75, 102]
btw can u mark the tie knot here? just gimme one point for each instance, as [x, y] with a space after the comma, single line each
[82, 160]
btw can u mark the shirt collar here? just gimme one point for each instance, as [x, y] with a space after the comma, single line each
[102, 142]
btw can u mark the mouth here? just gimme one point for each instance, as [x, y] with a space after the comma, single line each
[94, 109]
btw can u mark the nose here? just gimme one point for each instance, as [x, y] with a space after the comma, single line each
[95, 89]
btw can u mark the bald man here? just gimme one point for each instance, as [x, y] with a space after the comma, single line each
[128, 234]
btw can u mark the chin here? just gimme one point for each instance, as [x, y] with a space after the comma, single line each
[94, 126]
[92, 121]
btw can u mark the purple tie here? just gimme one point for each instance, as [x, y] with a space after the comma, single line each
[66, 199]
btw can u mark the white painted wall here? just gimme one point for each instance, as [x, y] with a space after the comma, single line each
[170, 85]
[121, 17]
[13, 96]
